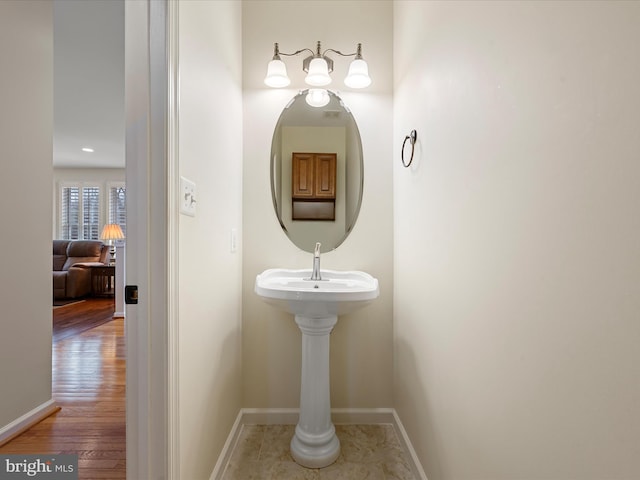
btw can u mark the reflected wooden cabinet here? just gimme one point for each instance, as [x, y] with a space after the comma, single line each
[313, 186]
[314, 175]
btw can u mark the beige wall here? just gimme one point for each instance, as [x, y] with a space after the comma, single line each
[26, 96]
[361, 344]
[210, 154]
[517, 234]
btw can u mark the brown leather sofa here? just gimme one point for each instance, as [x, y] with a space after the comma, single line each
[71, 262]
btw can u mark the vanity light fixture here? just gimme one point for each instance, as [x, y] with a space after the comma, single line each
[318, 66]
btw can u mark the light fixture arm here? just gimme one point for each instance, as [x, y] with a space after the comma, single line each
[357, 53]
[277, 52]
[318, 53]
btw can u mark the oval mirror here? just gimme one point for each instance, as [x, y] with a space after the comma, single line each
[316, 172]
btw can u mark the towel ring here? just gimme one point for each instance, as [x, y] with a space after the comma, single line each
[412, 140]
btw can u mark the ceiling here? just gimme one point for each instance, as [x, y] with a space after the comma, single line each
[88, 84]
[89, 108]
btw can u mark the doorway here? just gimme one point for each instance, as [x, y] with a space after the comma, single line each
[89, 191]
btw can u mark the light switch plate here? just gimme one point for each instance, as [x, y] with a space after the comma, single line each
[187, 197]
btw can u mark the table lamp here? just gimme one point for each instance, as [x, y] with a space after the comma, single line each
[111, 232]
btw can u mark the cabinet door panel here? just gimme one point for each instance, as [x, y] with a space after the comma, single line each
[303, 171]
[325, 175]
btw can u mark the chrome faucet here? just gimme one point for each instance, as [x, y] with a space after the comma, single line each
[315, 275]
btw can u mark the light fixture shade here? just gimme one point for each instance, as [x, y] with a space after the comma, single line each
[276, 74]
[112, 231]
[317, 97]
[318, 75]
[358, 76]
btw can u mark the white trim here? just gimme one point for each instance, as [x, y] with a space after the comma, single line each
[362, 416]
[157, 237]
[27, 420]
[147, 237]
[173, 230]
[416, 466]
[228, 448]
[270, 416]
[137, 151]
[339, 416]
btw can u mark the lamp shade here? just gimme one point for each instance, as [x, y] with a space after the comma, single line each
[318, 75]
[358, 76]
[317, 97]
[112, 231]
[276, 74]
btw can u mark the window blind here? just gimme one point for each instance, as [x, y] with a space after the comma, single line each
[118, 207]
[80, 213]
[91, 213]
[70, 218]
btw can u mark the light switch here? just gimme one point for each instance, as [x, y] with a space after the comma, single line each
[187, 197]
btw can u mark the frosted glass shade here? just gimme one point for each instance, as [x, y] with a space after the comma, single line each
[276, 74]
[318, 75]
[358, 76]
[317, 97]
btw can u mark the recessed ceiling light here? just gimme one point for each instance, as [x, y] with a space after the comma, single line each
[87, 149]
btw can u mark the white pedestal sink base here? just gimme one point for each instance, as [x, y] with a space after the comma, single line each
[316, 305]
[315, 444]
[315, 455]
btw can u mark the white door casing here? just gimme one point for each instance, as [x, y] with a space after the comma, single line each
[151, 262]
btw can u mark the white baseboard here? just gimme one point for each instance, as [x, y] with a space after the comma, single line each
[339, 416]
[416, 466]
[227, 448]
[270, 416]
[27, 420]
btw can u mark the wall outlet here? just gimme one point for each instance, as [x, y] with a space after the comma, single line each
[187, 197]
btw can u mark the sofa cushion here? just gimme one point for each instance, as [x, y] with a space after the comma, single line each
[80, 251]
[84, 248]
[59, 253]
[59, 284]
[78, 282]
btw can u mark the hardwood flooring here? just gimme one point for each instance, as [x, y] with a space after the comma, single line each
[89, 385]
[70, 320]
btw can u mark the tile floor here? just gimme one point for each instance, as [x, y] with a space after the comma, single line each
[371, 452]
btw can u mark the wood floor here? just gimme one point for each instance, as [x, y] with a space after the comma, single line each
[89, 385]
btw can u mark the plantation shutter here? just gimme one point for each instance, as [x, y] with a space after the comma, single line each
[70, 221]
[79, 213]
[118, 207]
[91, 212]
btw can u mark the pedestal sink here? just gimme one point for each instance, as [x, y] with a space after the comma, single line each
[316, 305]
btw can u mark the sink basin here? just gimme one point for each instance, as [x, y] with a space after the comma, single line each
[338, 293]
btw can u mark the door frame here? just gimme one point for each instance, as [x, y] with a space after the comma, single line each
[152, 232]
